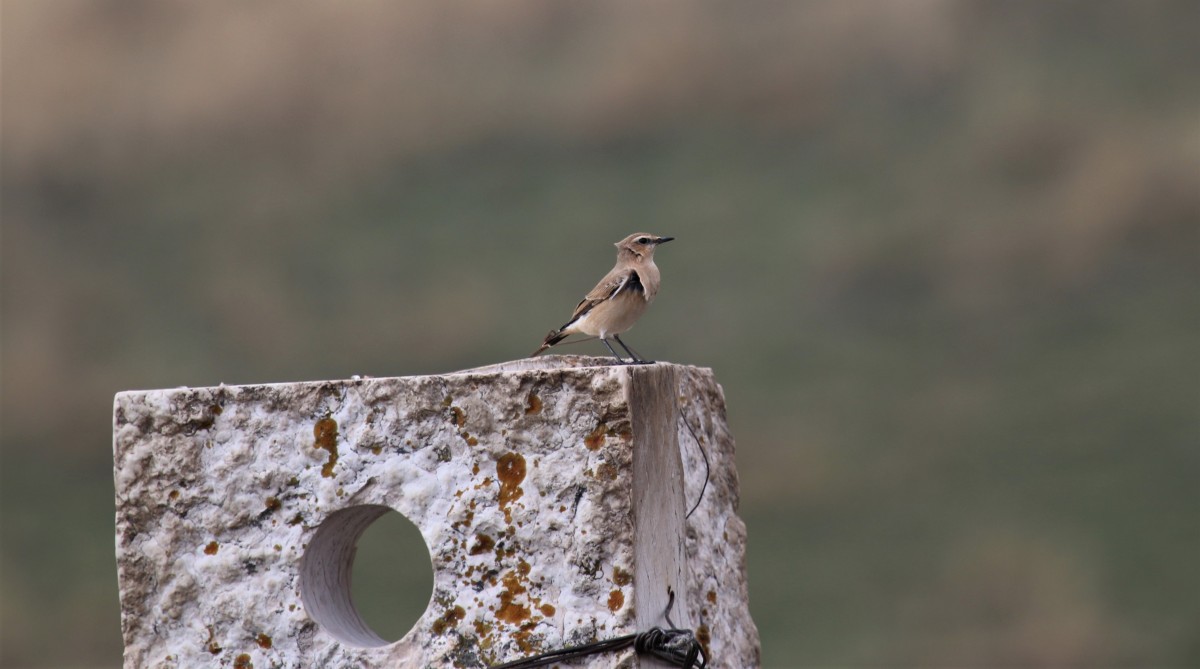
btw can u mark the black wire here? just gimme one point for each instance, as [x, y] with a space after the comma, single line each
[571, 653]
[677, 647]
[707, 469]
[670, 605]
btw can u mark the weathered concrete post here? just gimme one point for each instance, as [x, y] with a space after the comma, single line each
[551, 492]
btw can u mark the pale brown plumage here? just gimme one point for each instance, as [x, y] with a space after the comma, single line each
[621, 297]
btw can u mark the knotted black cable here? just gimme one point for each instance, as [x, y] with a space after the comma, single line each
[676, 646]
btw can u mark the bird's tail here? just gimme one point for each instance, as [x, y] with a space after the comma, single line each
[552, 338]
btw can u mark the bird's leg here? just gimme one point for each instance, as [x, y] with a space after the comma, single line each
[632, 354]
[610, 348]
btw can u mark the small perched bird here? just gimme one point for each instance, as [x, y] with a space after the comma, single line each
[620, 298]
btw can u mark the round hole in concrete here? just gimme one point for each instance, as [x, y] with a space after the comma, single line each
[366, 576]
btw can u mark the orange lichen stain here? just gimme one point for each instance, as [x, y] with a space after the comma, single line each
[606, 472]
[459, 416]
[273, 504]
[547, 610]
[510, 470]
[211, 548]
[595, 439]
[449, 399]
[484, 631]
[475, 468]
[533, 403]
[377, 449]
[465, 522]
[174, 494]
[509, 611]
[296, 519]
[616, 599]
[523, 568]
[523, 636]
[712, 597]
[471, 441]
[216, 409]
[211, 642]
[621, 577]
[325, 434]
[704, 637]
[483, 544]
[242, 662]
[278, 547]
[449, 619]
[263, 641]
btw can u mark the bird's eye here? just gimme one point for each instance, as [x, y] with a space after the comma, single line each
[643, 240]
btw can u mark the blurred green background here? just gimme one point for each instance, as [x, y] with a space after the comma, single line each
[942, 255]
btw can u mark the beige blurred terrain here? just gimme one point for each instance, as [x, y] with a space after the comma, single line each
[943, 255]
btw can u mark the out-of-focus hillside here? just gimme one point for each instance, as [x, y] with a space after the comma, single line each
[942, 255]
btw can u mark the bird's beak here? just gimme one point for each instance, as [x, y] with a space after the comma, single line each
[663, 240]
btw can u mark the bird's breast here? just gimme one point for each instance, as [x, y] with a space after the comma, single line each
[612, 316]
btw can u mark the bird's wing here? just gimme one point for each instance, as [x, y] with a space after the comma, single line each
[610, 286]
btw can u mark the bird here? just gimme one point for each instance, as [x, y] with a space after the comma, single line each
[621, 297]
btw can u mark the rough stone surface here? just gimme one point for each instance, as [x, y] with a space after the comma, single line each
[238, 509]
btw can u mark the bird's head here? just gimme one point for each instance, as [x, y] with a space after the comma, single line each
[641, 244]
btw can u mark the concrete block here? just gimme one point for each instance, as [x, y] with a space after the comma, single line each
[551, 493]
